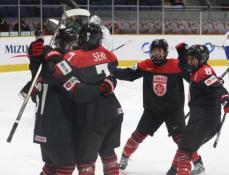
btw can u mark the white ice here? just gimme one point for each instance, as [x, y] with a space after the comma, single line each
[153, 157]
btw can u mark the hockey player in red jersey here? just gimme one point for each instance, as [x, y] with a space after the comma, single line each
[97, 113]
[163, 99]
[98, 120]
[53, 124]
[206, 95]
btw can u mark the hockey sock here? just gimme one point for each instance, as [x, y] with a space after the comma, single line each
[183, 163]
[133, 142]
[86, 168]
[110, 165]
[195, 157]
[176, 139]
[65, 170]
[57, 170]
[48, 170]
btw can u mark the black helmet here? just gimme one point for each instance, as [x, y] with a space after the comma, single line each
[201, 52]
[39, 34]
[64, 37]
[159, 43]
[90, 36]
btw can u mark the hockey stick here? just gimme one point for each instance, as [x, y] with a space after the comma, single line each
[221, 77]
[121, 45]
[55, 23]
[211, 46]
[220, 129]
[66, 14]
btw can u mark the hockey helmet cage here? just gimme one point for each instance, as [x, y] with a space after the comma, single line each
[90, 36]
[201, 52]
[159, 43]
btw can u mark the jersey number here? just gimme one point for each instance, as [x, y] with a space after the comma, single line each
[44, 90]
[208, 71]
[102, 68]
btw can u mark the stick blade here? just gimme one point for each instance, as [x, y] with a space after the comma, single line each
[55, 22]
[76, 12]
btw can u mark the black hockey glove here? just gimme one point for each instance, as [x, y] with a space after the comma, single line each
[181, 50]
[225, 102]
[108, 85]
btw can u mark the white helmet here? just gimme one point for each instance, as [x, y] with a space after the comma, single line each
[95, 20]
[227, 35]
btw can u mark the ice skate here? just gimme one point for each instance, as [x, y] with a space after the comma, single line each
[172, 171]
[123, 162]
[198, 168]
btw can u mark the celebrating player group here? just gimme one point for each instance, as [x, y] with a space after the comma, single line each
[79, 117]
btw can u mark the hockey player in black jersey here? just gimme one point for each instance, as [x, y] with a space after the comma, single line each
[163, 99]
[34, 50]
[206, 95]
[99, 119]
[97, 113]
[53, 124]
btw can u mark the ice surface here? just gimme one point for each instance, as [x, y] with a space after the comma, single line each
[153, 157]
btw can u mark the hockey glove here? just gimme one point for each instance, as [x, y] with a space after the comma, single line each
[181, 50]
[37, 48]
[108, 85]
[225, 102]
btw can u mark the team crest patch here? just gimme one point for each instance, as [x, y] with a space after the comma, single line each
[160, 84]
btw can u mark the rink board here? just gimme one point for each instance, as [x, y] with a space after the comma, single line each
[13, 55]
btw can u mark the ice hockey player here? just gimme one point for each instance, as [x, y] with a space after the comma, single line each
[99, 120]
[53, 124]
[34, 50]
[106, 37]
[163, 99]
[97, 113]
[206, 95]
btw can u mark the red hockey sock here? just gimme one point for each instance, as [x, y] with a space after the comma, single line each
[57, 170]
[65, 170]
[86, 168]
[183, 163]
[48, 170]
[133, 142]
[110, 165]
[176, 139]
[195, 157]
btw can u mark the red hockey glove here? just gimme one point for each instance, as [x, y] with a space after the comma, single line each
[225, 102]
[37, 48]
[108, 85]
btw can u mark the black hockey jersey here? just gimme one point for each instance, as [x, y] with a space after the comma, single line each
[163, 89]
[92, 67]
[205, 89]
[53, 124]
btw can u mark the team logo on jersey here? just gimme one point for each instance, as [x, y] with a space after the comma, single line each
[159, 84]
[212, 79]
